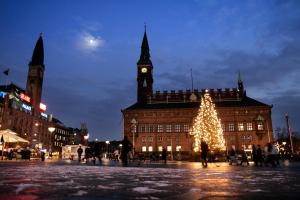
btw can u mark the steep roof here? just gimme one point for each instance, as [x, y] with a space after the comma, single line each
[38, 53]
[145, 54]
[246, 101]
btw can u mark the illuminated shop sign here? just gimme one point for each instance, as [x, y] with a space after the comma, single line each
[44, 115]
[43, 107]
[25, 97]
[26, 107]
[2, 94]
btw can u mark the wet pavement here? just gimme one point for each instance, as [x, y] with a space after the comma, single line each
[176, 180]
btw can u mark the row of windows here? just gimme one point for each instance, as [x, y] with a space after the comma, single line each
[243, 126]
[59, 137]
[160, 148]
[159, 139]
[151, 128]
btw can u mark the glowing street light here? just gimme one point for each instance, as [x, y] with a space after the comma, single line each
[51, 130]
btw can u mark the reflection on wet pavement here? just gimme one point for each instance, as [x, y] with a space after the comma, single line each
[36, 180]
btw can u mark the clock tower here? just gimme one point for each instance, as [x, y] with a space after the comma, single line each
[144, 73]
[35, 75]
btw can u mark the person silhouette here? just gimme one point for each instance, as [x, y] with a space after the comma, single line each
[126, 148]
[204, 151]
[79, 152]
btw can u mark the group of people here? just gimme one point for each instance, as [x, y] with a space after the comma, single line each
[127, 153]
[268, 155]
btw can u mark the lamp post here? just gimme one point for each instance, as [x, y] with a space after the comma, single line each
[289, 131]
[51, 130]
[133, 131]
[86, 137]
[107, 143]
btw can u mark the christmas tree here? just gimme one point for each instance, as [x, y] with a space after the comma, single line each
[207, 126]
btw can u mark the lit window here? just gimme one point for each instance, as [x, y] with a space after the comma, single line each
[142, 128]
[177, 128]
[160, 148]
[223, 127]
[151, 128]
[150, 149]
[144, 148]
[146, 128]
[178, 148]
[240, 127]
[249, 126]
[260, 126]
[186, 128]
[169, 148]
[250, 146]
[231, 126]
[160, 128]
[168, 128]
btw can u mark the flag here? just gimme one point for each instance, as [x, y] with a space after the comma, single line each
[2, 139]
[6, 72]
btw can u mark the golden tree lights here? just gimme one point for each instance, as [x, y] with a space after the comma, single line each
[207, 126]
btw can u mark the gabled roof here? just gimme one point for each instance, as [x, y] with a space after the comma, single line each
[245, 102]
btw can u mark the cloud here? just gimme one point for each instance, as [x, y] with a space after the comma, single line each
[88, 42]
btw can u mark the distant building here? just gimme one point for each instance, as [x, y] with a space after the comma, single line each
[163, 118]
[22, 111]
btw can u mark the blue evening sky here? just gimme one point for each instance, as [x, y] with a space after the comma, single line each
[91, 50]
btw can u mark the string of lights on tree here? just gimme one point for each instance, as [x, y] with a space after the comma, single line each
[207, 126]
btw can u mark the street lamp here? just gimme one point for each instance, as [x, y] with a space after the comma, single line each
[107, 143]
[133, 130]
[51, 130]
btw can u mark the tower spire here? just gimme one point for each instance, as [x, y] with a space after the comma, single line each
[145, 52]
[38, 53]
[240, 84]
[239, 77]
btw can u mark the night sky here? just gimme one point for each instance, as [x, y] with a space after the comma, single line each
[91, 50]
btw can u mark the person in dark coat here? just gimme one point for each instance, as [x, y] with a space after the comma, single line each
[126, 147]
[259, 156]
[43, 156]
[164, 155]
[204, 151]
[244, 157]
[79, 152]
[254, 154]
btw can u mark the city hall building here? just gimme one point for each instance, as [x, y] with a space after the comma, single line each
[163, 118]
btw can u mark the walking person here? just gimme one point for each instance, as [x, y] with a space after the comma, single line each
[164, 155]
[126, 148]
[254, 154]
[232, 156]
[79, 152]
[259, 156]
[204, 151]
[43, 156]
[244, 157]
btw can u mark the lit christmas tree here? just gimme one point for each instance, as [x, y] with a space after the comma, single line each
[207, 126]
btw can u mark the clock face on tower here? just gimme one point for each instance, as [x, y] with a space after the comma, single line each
[144, 70]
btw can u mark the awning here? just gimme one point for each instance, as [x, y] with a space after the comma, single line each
[10, 136]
